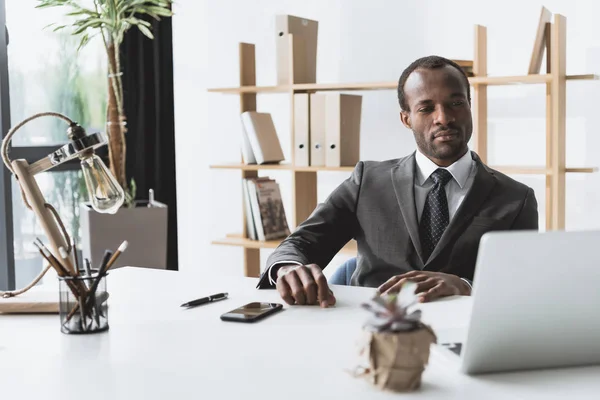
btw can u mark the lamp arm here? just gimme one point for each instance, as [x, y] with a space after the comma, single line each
[13, 130]
[49, 218]
[45, 213]
[34, 282]
[8, 138]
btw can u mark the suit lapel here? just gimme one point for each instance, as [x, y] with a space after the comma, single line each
[403, 176]
[483, 183]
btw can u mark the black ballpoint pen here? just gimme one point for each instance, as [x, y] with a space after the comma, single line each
[204, 300]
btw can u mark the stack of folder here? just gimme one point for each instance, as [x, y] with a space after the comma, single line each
[327, 129]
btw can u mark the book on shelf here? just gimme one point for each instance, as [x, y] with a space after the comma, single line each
[265, 213]
[260, 144]
[250, 228]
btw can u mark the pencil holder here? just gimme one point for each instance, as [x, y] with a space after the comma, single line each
[83, 303]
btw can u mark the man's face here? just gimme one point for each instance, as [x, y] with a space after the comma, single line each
[439, 113]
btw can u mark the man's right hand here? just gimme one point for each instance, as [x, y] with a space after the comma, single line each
[304, 284]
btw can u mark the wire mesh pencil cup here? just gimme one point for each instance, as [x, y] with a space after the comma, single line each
[83, 304]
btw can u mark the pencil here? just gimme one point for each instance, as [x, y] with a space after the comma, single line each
[92, 291]
[59, 270]
[67, 265]
[114, 257]
[75, 255]
[62, 271]
[88, 267]
[88, 273]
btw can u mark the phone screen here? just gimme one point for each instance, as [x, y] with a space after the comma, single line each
[252, 311]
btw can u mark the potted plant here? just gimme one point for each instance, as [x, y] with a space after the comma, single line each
[142, 224]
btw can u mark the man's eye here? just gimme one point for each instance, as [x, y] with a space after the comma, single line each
[458, 103]
[425, 109]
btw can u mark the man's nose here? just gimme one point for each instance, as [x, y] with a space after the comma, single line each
[443, 116]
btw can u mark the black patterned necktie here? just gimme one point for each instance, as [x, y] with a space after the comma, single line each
[435, 216]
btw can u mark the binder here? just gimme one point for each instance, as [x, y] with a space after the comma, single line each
[301, 130]
[305, 61]
[262, 137]
[342, 129]
[317, 129]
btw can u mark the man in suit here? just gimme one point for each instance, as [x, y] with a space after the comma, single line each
[417, 218]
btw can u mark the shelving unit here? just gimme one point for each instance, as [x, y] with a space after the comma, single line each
[304, 186]
[513, 170]
[320, 87]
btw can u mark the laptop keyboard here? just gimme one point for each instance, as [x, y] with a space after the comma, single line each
[454, 347]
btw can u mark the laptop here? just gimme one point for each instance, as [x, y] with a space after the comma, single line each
[536, 303]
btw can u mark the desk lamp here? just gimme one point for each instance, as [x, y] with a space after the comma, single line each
[105, 194]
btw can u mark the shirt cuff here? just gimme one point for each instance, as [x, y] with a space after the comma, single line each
[273, 271]
[468, 283]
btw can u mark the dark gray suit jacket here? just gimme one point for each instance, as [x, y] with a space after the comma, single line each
[376, 206]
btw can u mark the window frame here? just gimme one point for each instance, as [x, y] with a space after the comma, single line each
[29, 153]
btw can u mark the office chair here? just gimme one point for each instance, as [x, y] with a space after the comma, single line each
[343, 274]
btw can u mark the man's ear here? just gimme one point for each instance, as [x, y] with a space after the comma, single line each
[405, 118]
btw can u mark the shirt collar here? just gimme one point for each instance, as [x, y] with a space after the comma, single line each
[460, 169]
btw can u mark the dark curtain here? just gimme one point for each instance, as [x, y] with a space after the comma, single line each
[147, 67]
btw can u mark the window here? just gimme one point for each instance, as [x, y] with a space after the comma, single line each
[46, 72]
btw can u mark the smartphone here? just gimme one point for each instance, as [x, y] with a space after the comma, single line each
[251, 312]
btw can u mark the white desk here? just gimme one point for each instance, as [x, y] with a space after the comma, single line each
[156, 350]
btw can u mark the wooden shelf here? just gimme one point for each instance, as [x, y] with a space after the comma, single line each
[583, 170]
[251, 89]
[289, 167]
[317, 87]
[583, 77]
[251, 167]
[516, 170]
[236, 239]
[522, 170]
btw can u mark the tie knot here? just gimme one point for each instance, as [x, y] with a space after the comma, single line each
[442, 176]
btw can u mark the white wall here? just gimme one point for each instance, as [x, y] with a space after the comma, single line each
[362, 40]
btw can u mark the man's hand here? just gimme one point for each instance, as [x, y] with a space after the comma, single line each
[430, 285]
[304, 284]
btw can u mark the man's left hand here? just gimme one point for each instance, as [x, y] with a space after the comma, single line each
[430, 285]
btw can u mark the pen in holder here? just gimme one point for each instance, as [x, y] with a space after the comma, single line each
[83, 302]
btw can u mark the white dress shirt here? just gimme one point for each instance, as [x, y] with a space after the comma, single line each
[463, 172]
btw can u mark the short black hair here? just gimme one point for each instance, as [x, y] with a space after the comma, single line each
[429, 62]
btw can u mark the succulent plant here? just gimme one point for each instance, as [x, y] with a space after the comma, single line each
[391, 312]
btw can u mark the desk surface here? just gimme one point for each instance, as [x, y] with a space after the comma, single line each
[156, 350]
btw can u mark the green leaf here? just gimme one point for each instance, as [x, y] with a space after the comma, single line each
[133, 188]
[146, 31]
[163, 12]
[95, 23]
[52, 3]
[137, 21]
[83, 12]
[84, 40]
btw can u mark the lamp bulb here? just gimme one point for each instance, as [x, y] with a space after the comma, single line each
[105, 194]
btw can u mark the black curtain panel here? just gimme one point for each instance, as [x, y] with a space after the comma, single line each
[147, 67]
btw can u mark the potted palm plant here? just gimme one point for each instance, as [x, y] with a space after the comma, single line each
[143, 224]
